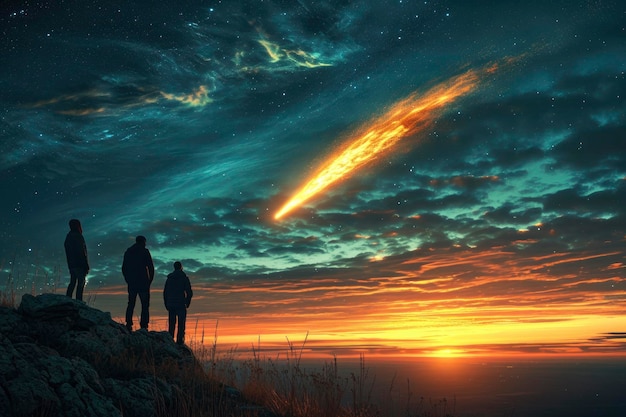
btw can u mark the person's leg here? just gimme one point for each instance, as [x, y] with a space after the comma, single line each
[144, 296]
[70, 288]
[80, 278]
[171, 317]
[132, 298]
[182, 319]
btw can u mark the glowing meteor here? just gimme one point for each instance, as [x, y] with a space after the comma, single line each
[375, 138]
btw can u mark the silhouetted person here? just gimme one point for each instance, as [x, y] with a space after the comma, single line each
[138, 271]
[177, 296]
[77, 260]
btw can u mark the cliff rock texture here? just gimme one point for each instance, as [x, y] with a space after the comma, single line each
[60, 357]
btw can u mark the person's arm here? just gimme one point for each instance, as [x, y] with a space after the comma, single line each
[150, 266]
[165, 294]
[68, 251]
[84, 255]
[189, 292]
[125, 268]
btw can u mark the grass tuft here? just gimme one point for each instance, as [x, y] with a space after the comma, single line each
[218, 384]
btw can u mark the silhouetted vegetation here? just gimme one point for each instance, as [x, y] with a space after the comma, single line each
[216, 383]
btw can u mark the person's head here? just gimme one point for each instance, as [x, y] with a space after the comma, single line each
[178, 266]
[141, 240]
[76, 226]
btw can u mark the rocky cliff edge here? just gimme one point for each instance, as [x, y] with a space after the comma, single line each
[60, 357]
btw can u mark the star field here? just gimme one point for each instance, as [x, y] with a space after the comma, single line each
[193, 123]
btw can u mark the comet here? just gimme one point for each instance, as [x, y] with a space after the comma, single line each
[381, 135]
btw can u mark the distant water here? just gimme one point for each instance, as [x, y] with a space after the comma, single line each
[483, 387]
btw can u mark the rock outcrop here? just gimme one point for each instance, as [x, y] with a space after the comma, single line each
[60, 357]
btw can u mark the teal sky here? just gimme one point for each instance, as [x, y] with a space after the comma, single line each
[192, 124]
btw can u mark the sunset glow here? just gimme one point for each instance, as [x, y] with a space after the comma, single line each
[414, 179]
[425, 307]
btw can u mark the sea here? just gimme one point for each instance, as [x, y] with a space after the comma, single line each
[489, 387]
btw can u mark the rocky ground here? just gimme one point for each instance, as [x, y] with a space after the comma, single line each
[60, 357]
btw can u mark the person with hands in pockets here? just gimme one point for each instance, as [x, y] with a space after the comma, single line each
[177, 297]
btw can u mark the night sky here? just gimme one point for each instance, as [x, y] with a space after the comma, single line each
[495, 223]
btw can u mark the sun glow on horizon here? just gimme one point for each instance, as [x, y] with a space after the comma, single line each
[421, 306]
[447, 353]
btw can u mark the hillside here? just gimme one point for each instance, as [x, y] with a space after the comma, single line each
[60, 357]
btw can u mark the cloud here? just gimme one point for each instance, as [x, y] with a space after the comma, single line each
[115, 102]
[198, 98]
[595, 203]
[296, 58]
[500, 225]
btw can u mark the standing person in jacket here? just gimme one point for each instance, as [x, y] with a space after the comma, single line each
[77, 260]
[138, 270]
[177, 296]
